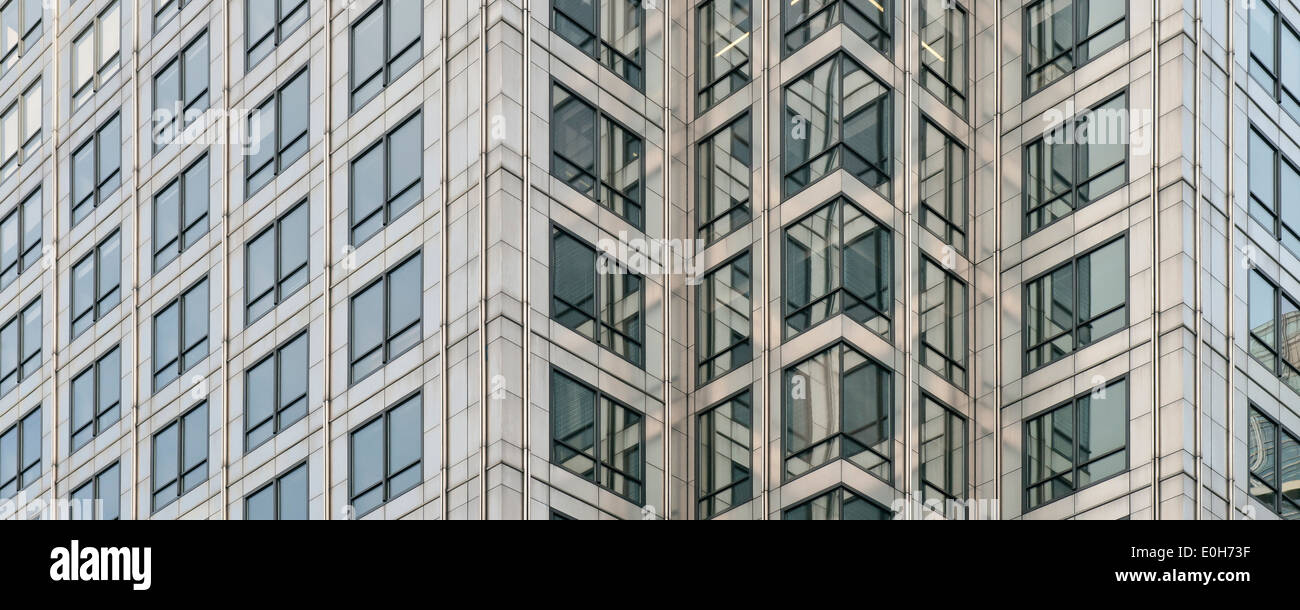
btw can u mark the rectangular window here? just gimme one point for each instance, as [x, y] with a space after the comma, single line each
[722, 50]
[96, 398]
[1274, 458]
[838, 260]
[267, 23]
[20, 29]
[943, 185]
[1076, 304]
[871, 19]
[386, 317]
[20, 238]
[96, 169]
[837, 116]
[180, 213]
[387, 179]
[724, 458]
[277, 133]
[96, 54]
[596, 297]
[20, 347]
[1275, 329]
[180, 335]
[275, 392]
[1076, 163]
[1063, 35]
[1077, 444]
[20, 454]
[1273, 182]
[96, 284]
[838, 405]
[100, 497]
[180, 456]
[943, 452]
[943, 322]
[597, 438]
[596, 156]
[275, 263]
[180, 92]
[164, 10]
[839, 504]
[386, 456]
[723, 321]
[20, 130]
[385, 44]
[608, 30]
[725, 165]
[1272, 40]
[284, 499]
[944, 52]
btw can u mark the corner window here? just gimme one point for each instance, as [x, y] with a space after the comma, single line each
[1063, 35]
[20, 238]
[20, 130]
[597, 438]
[1274, 45]
[180, 213]
[180, 456]
[1274, 459]
[387, 179]
[275, 392]
[596, 156]
[724, 458]
[1076, 304]
[385, 44]
[385, 318]
[1076, 163]
[20, 454]
[267, 23]
[385, 456]
[20, 346]
[723, 42]
[277, 132]
[838, 260]
[1077, 444]
[611, 31]
[100, 497]
[839, 504]
[180, 92]
[943, 186]
[96, 398]
[1274, 181]
[180, 335]
[838, 405]
[284, 499]
[275, 263]
[96, 55]
[944, 52]
[943, 322]
[96, 284]
[1274, 329]
[871, 19]
[725, 173]
[723, 321]
[595, 297]
[943, 452]
[96, 169]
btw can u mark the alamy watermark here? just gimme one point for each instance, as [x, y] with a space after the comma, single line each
[647, 257]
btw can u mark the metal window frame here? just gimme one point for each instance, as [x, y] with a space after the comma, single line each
[386, 73]
[951, 170]
[181, 340]
[837, 8]
[839, 490]
[601, 45]
[385, 147]
[1075, 323]
[1278, 91]
[97, 193]
[93, 482]
[383, 419]
[166, 6]
[278, 163]
[23, 249]
[25, 42]
[701, 88]
[20, 341]
[179, 422]
[100, 67]
[945, 80]
[1280, 364]
[385, 347]
[949, 415]
[600, 397]
[1075, 465]
[951, 361]
[20, 470]
[598, 175]
[274, 486]
[19, 108]
[1277, 227]
[278, 34]
[1078, 20]
[181, 181]
[274, 358]
[277, 292]
[703, 187]
[702, 495]
[703, 359]
[1275, 485]
[97, 408]
[181, 122]
[97, 309]
[598, 299]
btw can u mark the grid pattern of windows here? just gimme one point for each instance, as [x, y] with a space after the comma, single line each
[943, 185]
[1076, 304]
[1274, 460]
[386, 456]
[96, 398]
[872, 20]
[837, 260]
[20, 129]
[944, 52]
[1272, 40]
[387, 179]
[275, 392]
[20, 238]
[385, 44]
[724, 457]
[1275, 329]
[1076, 163]
[723, 321]
[597, 438]
[611, 31]
[100, 497]
[1274, 181]
[838, 405]
[594, 296]
[180, 456]
[277, 131]
[96, 54]
[597, 156]
[20, 454]
[943, 451]
[20, 29]
[267, 23]
[96, 169]
[180, 335]
[386, 317]
[275, 262]
[725, 162]
[943, 322]
[96, 283]
[1063, 35]
[180, 91]
[722, 51]
[20, 347]
[839, 504]
[284, 499]
[180, 213]
[1077, 444]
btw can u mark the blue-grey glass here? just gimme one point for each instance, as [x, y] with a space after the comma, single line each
[825, 507]
[811, 271]
[867, 269]
[1103, 422]
[723, 49]
[166, 91]
[260, 506]
[367, 456]
[405, 162]
[367, 57]
[1100, 27]
[294, 112]
[8, 357]
[110, 156]
[1261, 316]
[83, 502]
[573, 426]
[812, 413]
[83, 179]
[1289, 460]
[31, 337]
[1050, 42]
[367, 327]
[404, 29]
[292, 15]
[292, 488]
[1261, 459]
[1261, 178]
[9, 264]
[1050, 444]
[1289, 182]
[32, 221]
[867, 127]
[166, 456]
[865, 413]
[83, 408]
[109, 380]
[292, 363]
[260, 154]
[1102, 287]
[293, 233]
[405, 435]
[575, 21]
[574, 285]
[83, 295]
[1289, 324]
[196, 201]
[166, 223]
[620, 445]
[195, 434]
[621, 315]
[573, 134]
[811, 125]
[260, 408]
[109, 483]
[1050, 316]
[261, 19]
[196, 75]
[110, 272]
[1104, 151]
[196, 325]
[723, 321]
[8, 460]
[724, 456]
[368, 199]
[857, 508]
[406, 303]
[724, 180]
[166, 345]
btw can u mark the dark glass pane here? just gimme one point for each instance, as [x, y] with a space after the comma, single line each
[574, 284]
[573, 423]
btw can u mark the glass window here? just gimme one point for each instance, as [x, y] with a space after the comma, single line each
[839, 504]
[96, 398]
[276, 262]
[1076, 444]
[943, 322]
[277, 132]
[1076, 304]
[180, 91]
[180, 213]
[180, 456]
[20, 129]
[96, 284]
[1274, 462]
[96, 54]
[944, 53]
[96, 169]
[1272, 40]
[385, 317]
[385, 44]
[725, 172]
[838, 260]
[586, 424]
[20, 238]
[723, 320]
[943, 185]
[597, 297]
[1271, 175]
[599, 158]
[180, 335]
[724, 457]
[386, 179]
[268, 23]
[608, 30]
[943, 452]
[1076, 163]
[838, 405]
[1063, 35]
[283, 499]
[386, 455]
[20, 454]
[20, 29]
[872, 20]
[20, 346]
[838, 116]
[275, 392]
[100, 497]
[164, 10]
[722, 50]
[1274, 320]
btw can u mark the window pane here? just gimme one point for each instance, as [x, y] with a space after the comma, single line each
[367, 456]
[260, 506]
[292, 488]
[110, 493]
[196, 440]
[260, 392]
[293, 251]
[110, 36]
[196, 74]
[367, 56]
[404, 437]
[573, 424]
[166, 344]
[724, 180]
[292, 365]
[812, 391]
[110, 387]
[405, 302]
[367, 194]
[294, 115]
[622, 460]
[110, 155]
[404, 26]
[83, 60]
[573, 133]
[724, 30]
[1103, 423]
[367, 330]
[1103, 288]
[166, 224]
[574, 284]
[724, 319]
[83, 408]
[110, 272]
[166, 456]
[405, 161]
[723, 456]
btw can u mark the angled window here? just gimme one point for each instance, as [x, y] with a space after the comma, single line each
[96, 169]
[20, 454]
[723, 321]
[1274, 181]
[164, 10]
[284, 499]
[724, 458]
[267, 23]
[96, 398]
[385, 44]
[722, 51]
[597, 438]
[277, 133]
[596, 156]
[180, 456]
[611, 31]
[1272, 41]
[871, 19]
[99, 498]
[180, 92]
[593, 295]
[1275, 329]
[96, 54]
[96, 284]
[275, 392]
[180, 334]
[839, 504]
[944, 52]
[1274, 461]
[838, 405]
[275, 262]
[725, 173]
[1076, 444]
[20, 346]
[385, 456]
[1063, 35]
[942, 315]
[20, 130]
[1076, 304]
[20, 29]
[837, 261]
[837, 116]
[943, 451]
[20, 238]
[180, 213]
[387, 179]
[943, 186]
[1076, 163]
[385, 317]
